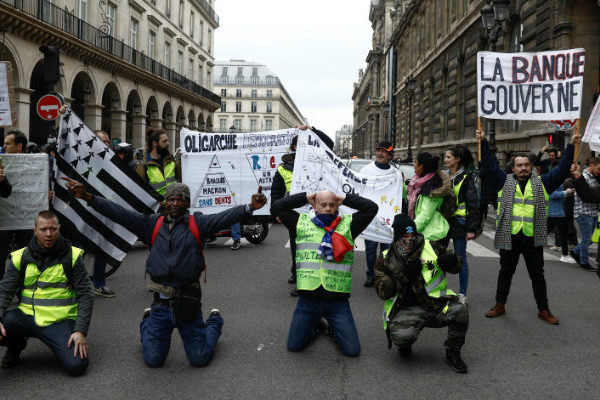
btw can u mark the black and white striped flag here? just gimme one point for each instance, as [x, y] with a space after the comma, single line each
[82, 156]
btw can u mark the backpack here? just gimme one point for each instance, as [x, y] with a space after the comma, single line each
[192, 225]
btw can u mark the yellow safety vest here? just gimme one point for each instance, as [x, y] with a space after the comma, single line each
[523, 209]
[461, 210]
[436, 284]
[47, 295]
[312, 270]
[286, 174]
[158, 180]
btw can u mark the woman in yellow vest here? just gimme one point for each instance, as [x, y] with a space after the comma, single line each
[465, 221]
[411, 278]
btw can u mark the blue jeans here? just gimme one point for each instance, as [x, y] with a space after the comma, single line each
[586, 226]
[235, 231]
[199, 339]
[460, 248]
[99, 275]
[306, 319]
[56, 336]
[371, 250]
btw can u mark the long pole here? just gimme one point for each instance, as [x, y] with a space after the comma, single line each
[409, 152]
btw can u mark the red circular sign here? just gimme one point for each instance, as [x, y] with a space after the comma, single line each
[47, 107]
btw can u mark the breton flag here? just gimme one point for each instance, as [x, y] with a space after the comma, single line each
[82, 156]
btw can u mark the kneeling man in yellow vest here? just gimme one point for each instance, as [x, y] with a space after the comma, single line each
[411, 278]
[324, 259]
[55, 298]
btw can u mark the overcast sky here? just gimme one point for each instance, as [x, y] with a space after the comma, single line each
[314, 47]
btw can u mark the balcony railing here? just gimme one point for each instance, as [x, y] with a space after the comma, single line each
[69, 23]
[209, 10]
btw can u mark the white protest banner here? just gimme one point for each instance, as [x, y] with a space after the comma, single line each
[592, 129]
[28, 176]
[316, 168]
[8, 107]
[225, 169]
[530, 86]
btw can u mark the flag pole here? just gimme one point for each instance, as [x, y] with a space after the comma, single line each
[577, 148]
[479, 140]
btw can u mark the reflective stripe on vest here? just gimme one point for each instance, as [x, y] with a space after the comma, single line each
[523, 209]
[157, 180]
[286, 174]
[47, 295]
[461, 211]
[436, 284]
[311, 270]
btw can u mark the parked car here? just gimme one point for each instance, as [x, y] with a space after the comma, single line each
[356, 164]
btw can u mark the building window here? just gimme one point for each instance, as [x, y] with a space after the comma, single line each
[151, 44]
[269, 94]
[237, 124]
[269, 80]
[253, 125]
[180, 62]
[181, 14]
[238, 92]
[168, 8]
[223, 106]
[201, 32]
[269, 107]
[208, 79]
[192, 24]
[82, 12]
[191, 69]
[209, 39]
[253, 107]
[223, 92]
[111, 11]
[254, 80]
[167, 60]
[200, 75]
[238, 106]
[269, 125]
[133, 29]
[223, 124]
[254, 94]
[239, 80]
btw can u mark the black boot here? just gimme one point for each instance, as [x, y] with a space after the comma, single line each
[405, 351]
[11, 357]
[456, 362]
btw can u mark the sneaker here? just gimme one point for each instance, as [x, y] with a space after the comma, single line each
[496, 311]
[146, 313]
[236, 245]
[568, 260]
[587, 267]
[104, 291]
[292, 279]
[11, 358]
[547, 316]
[369, 282]
[324, 327]
[456, 362]
[555, 248]
[214, 313]
[462, 298]
[575, 256]
[405, 351]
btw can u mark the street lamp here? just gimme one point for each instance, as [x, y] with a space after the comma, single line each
[493, 14]
[410, 90]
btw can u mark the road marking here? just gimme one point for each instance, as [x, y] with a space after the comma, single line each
[547, 255]
[477, 250]
[359, 245]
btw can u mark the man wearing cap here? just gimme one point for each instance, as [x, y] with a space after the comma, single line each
[381, 166]
[411, 278]
[174, 265]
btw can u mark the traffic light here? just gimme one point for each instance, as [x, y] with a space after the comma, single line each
[51, 64]
[556, 139]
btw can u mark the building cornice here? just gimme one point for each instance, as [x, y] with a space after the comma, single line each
[169, 32]
[137, 6]
[154, 21]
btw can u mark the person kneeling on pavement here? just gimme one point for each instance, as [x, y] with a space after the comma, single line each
[411, 278]
[174, 265]
[55, 298]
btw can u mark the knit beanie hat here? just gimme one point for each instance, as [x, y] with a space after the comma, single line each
[178, 189]
[403, 225]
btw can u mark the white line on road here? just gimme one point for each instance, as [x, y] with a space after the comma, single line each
[547, 255]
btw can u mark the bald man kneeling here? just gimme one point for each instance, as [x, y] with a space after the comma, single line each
[324, 259]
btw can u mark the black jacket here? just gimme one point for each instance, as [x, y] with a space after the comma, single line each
[468, 195]
[367, 210]
[5, 188]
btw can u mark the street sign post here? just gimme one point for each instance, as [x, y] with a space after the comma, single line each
[47, 107]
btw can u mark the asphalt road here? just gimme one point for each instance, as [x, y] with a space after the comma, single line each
[515, 356]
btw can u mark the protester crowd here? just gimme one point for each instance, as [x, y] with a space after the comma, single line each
[446, 199]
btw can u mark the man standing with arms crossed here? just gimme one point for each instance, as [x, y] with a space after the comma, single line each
[521, 222]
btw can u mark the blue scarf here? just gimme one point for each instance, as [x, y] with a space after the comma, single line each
[325, 221]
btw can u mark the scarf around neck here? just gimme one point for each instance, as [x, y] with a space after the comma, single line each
[333, 245]
[414, 188]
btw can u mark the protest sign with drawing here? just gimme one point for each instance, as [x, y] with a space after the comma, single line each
[28, 176]
[316, 168]
[592, 129]
[224, 170]
[540, 86]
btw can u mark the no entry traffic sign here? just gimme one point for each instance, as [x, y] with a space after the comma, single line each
[47, 107]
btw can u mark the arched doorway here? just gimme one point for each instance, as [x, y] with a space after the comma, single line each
[179, 123]
[82, 93]
[112, 123]
[192, 120]
[209, 124]
[152, 115]
[201, 123]
[135, 122]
